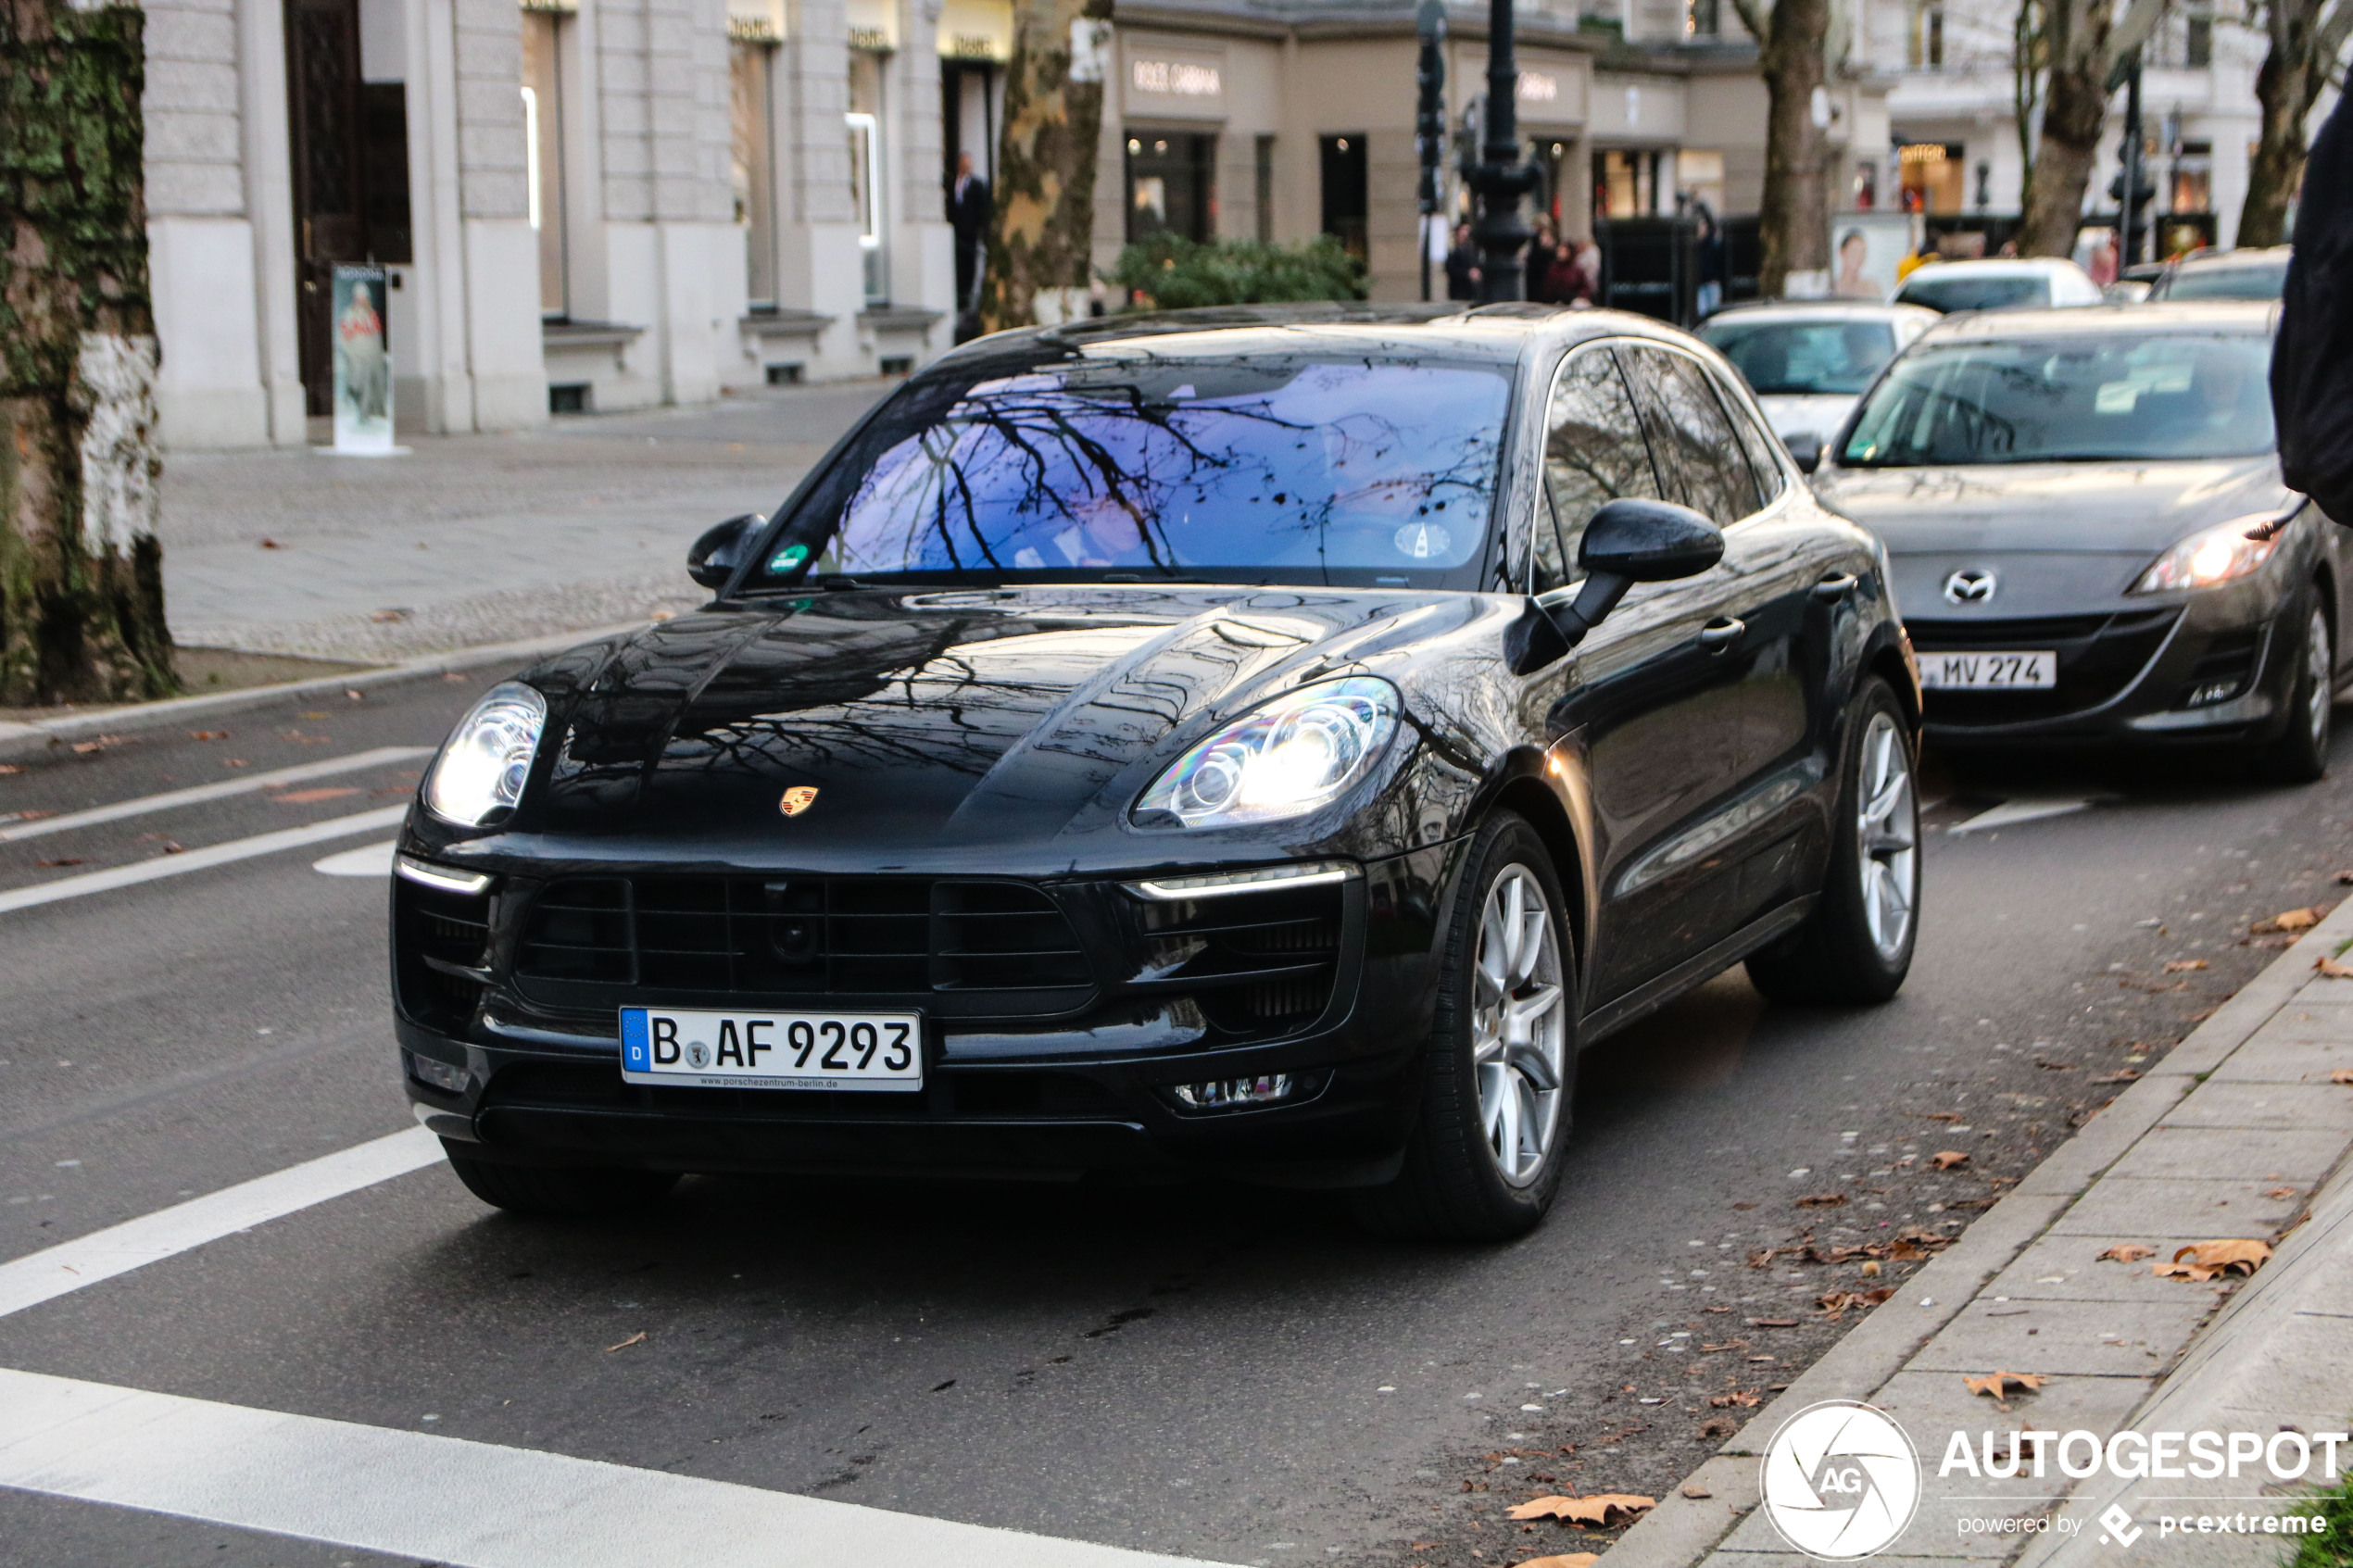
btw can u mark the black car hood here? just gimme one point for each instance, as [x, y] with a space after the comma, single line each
[923, 720]
[2059, 537]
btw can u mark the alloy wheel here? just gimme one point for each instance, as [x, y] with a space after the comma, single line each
[2317, 659]
[1518, 1025]
[1888, 829]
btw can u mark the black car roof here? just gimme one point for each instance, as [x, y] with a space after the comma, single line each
[1499, 333]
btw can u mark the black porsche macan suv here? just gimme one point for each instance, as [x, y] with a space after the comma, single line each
[1269, 743]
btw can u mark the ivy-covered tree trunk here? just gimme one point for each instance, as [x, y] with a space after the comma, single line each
[2075, 111]
[1792, 217]
[1041, 239]
[80, 573]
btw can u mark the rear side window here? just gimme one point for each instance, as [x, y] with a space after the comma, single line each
[1763, 450]
[1700, 460]
[1593, 452]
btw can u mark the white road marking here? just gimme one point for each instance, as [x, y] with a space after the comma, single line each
[198, 860]
[67, 1267]
[372, 860]
[2027, 808]
[446, 1499]
[379, 757]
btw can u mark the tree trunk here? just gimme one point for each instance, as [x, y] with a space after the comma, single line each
[1042, 236]
[80, 573]
[1794, 217]
[2074, 109]
[2285, 88]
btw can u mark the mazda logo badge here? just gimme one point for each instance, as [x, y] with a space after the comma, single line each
[1969, 587]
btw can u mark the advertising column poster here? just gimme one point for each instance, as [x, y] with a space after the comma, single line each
[363, 363]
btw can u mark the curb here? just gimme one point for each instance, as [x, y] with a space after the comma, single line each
[1681, 1531]
[19, 740]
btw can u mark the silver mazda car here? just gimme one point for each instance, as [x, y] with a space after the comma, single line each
[2089, 535]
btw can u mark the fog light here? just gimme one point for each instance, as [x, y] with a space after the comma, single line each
[2214, 691]
[1233, 1094]
[439, 1075]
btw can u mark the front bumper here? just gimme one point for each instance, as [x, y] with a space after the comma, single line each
[2203, 669]
[1068, 1083]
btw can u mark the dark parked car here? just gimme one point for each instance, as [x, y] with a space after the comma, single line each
[1269, 743]
[2085, 516]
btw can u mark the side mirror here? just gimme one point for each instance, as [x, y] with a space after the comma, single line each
[1806, 448]
[1626, 542]
[721, 550]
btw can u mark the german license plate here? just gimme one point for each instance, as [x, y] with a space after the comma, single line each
[773, 1050]
[1988, 671]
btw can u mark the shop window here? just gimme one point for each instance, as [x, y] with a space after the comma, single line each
[2193, 179]
[865, 122]
[1171, 185]
[544, 152]
[1264, 169]
[1626, 182]
[753, 167]
[1934, 173]
[1345, 206]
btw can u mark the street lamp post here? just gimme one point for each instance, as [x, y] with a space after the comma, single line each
[1501, 177]
[1429, 118]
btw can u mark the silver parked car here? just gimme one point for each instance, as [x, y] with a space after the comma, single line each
[2225, 274]
[2090, 538]
[1808, 362]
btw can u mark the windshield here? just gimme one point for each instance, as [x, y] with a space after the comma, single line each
[1805, 358]
[2089, 399]
[1264, 468]
[1975, 291]
[2263, 281]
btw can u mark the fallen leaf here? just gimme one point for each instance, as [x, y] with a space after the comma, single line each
[1998, 1383]
[1935, 1116]
[1822, 1200]
[86, 747]
[2207, 1260]
[207, 734]
[1838, 1301]
[234, 762]
[1709, 1349]
[172, 846]
[2183, 966]
[1772, 1323]
[1946, 1158]
[1558, 1560]
[637, 1338]
[12, 767]
[2055, 1066]
[307, 797]
[1738, 1399]
[2127, 1252]
[2121, 1076]
[61, 860]
[388, 616]
[2281, 1192]
[1594, 1510]
[2332, 969]
[1694, 1490]
[2342, 1075]
[272, 544]
[1740, 1205]
[2291, 919]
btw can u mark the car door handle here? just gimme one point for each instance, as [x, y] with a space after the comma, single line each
[1722, 633]
[1831, 589]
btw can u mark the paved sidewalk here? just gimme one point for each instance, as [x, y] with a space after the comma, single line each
[2239, 1132]
[479, 538]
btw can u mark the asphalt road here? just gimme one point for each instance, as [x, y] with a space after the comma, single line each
[1209, 1371]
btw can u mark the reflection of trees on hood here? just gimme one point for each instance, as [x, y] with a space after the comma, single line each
[1054, 449]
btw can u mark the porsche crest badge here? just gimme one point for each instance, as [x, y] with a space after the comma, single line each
[798, 799]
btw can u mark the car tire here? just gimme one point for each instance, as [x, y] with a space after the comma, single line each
[538, 1189]
[2301, 754]
[1485, 1157]
[1856, 947]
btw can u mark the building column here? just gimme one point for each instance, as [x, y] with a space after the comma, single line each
[269, 184]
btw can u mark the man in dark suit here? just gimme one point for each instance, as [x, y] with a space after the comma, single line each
[968, 214]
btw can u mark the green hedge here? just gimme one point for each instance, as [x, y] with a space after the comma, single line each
[2331, 1546]
[1174, 273]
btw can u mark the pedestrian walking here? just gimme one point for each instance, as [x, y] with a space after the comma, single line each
[969, 210]
[2312, 354]
[1462, 266]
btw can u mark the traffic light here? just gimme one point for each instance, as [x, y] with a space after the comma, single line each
[2144, 192]
[1429, 115]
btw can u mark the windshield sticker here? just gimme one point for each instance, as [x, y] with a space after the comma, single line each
[1423, 540]
[789, 557]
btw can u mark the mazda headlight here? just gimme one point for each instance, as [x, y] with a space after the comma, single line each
[487, 758]
[2211, 556]
[1283, 760]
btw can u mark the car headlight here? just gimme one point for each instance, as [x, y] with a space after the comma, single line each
[487, 758]
[1283, 760]
[2211, 556]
